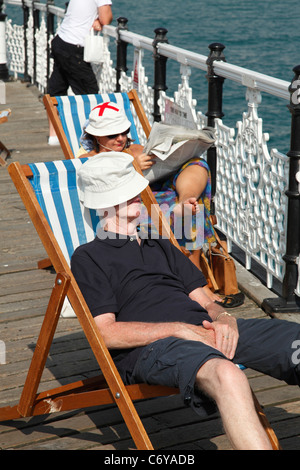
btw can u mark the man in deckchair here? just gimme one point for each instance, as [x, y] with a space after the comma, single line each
[148, 302]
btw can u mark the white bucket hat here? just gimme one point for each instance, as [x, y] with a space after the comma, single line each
[109, 179]
[107, 119]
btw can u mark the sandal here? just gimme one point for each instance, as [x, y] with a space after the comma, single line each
[232, 301]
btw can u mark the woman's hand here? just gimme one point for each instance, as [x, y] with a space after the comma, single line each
[212, 295]
[145, 161]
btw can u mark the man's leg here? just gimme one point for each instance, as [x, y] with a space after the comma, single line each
[228, 386]
[82, 80]
[269, 346]
[58, 85]
[192, 365]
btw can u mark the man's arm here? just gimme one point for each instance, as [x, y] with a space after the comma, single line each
[200, 296]
[119, 335]
[222, 334]
[105, 14]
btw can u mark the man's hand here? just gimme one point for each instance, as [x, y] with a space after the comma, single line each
[97, 26]
[226, 334]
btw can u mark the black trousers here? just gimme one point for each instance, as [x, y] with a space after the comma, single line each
[70, 70]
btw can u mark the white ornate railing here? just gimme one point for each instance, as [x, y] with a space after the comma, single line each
[250, 201]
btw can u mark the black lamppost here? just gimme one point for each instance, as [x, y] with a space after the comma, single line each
[214, 109]
[121, 51]
[160, 66]
[290, 302]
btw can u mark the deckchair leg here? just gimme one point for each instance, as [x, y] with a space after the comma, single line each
[6, 152]
[267, 427]
[43, 344]
[44, 263]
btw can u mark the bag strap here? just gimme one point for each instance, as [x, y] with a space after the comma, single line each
[219, 241]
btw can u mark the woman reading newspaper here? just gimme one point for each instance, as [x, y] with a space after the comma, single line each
[184, 192]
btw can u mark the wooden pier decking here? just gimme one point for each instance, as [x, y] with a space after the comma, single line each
[24, 294]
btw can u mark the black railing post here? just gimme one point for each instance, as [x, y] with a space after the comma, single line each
[3, 64]
[50, 32]
[121, 51]
[36, 25]
[160, 68]
[214, 108]
[25, 25]
[290, 303]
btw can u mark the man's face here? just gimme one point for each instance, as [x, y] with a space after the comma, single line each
[130, 210]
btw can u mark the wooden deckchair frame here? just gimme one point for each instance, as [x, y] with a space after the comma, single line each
[105, 389]
[51, 108]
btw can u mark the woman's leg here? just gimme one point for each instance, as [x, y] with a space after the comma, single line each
[190, 184]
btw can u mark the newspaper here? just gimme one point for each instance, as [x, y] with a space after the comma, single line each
[173, 146]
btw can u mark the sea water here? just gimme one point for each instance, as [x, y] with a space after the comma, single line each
[261, 35]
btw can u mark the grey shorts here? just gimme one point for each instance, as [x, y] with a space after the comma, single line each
[175, 362]
[266, 345]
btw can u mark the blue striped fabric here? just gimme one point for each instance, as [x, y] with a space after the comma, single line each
[54, 184]
[74, 110]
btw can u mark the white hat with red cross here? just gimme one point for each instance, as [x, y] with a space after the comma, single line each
[107, 119]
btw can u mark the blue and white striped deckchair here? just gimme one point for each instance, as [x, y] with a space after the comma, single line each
[52, 201]
[68, 115]
[55, 187]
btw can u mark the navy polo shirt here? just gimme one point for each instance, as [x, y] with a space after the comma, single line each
[147, 282]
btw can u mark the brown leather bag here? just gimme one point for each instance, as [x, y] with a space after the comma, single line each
[223, 268]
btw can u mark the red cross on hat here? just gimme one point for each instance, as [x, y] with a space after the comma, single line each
[102, 107]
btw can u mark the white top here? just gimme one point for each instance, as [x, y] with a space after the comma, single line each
[79, 19]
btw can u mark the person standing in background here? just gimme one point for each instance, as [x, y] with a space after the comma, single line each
[67, 47]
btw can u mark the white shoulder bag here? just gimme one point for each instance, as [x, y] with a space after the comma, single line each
[93, 47]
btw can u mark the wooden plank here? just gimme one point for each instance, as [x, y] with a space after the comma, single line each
[28, 284]
[8, 302]
[68, 329]
[278, 395]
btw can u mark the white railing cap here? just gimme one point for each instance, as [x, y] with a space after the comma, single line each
[252, 79]
[182, 56]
